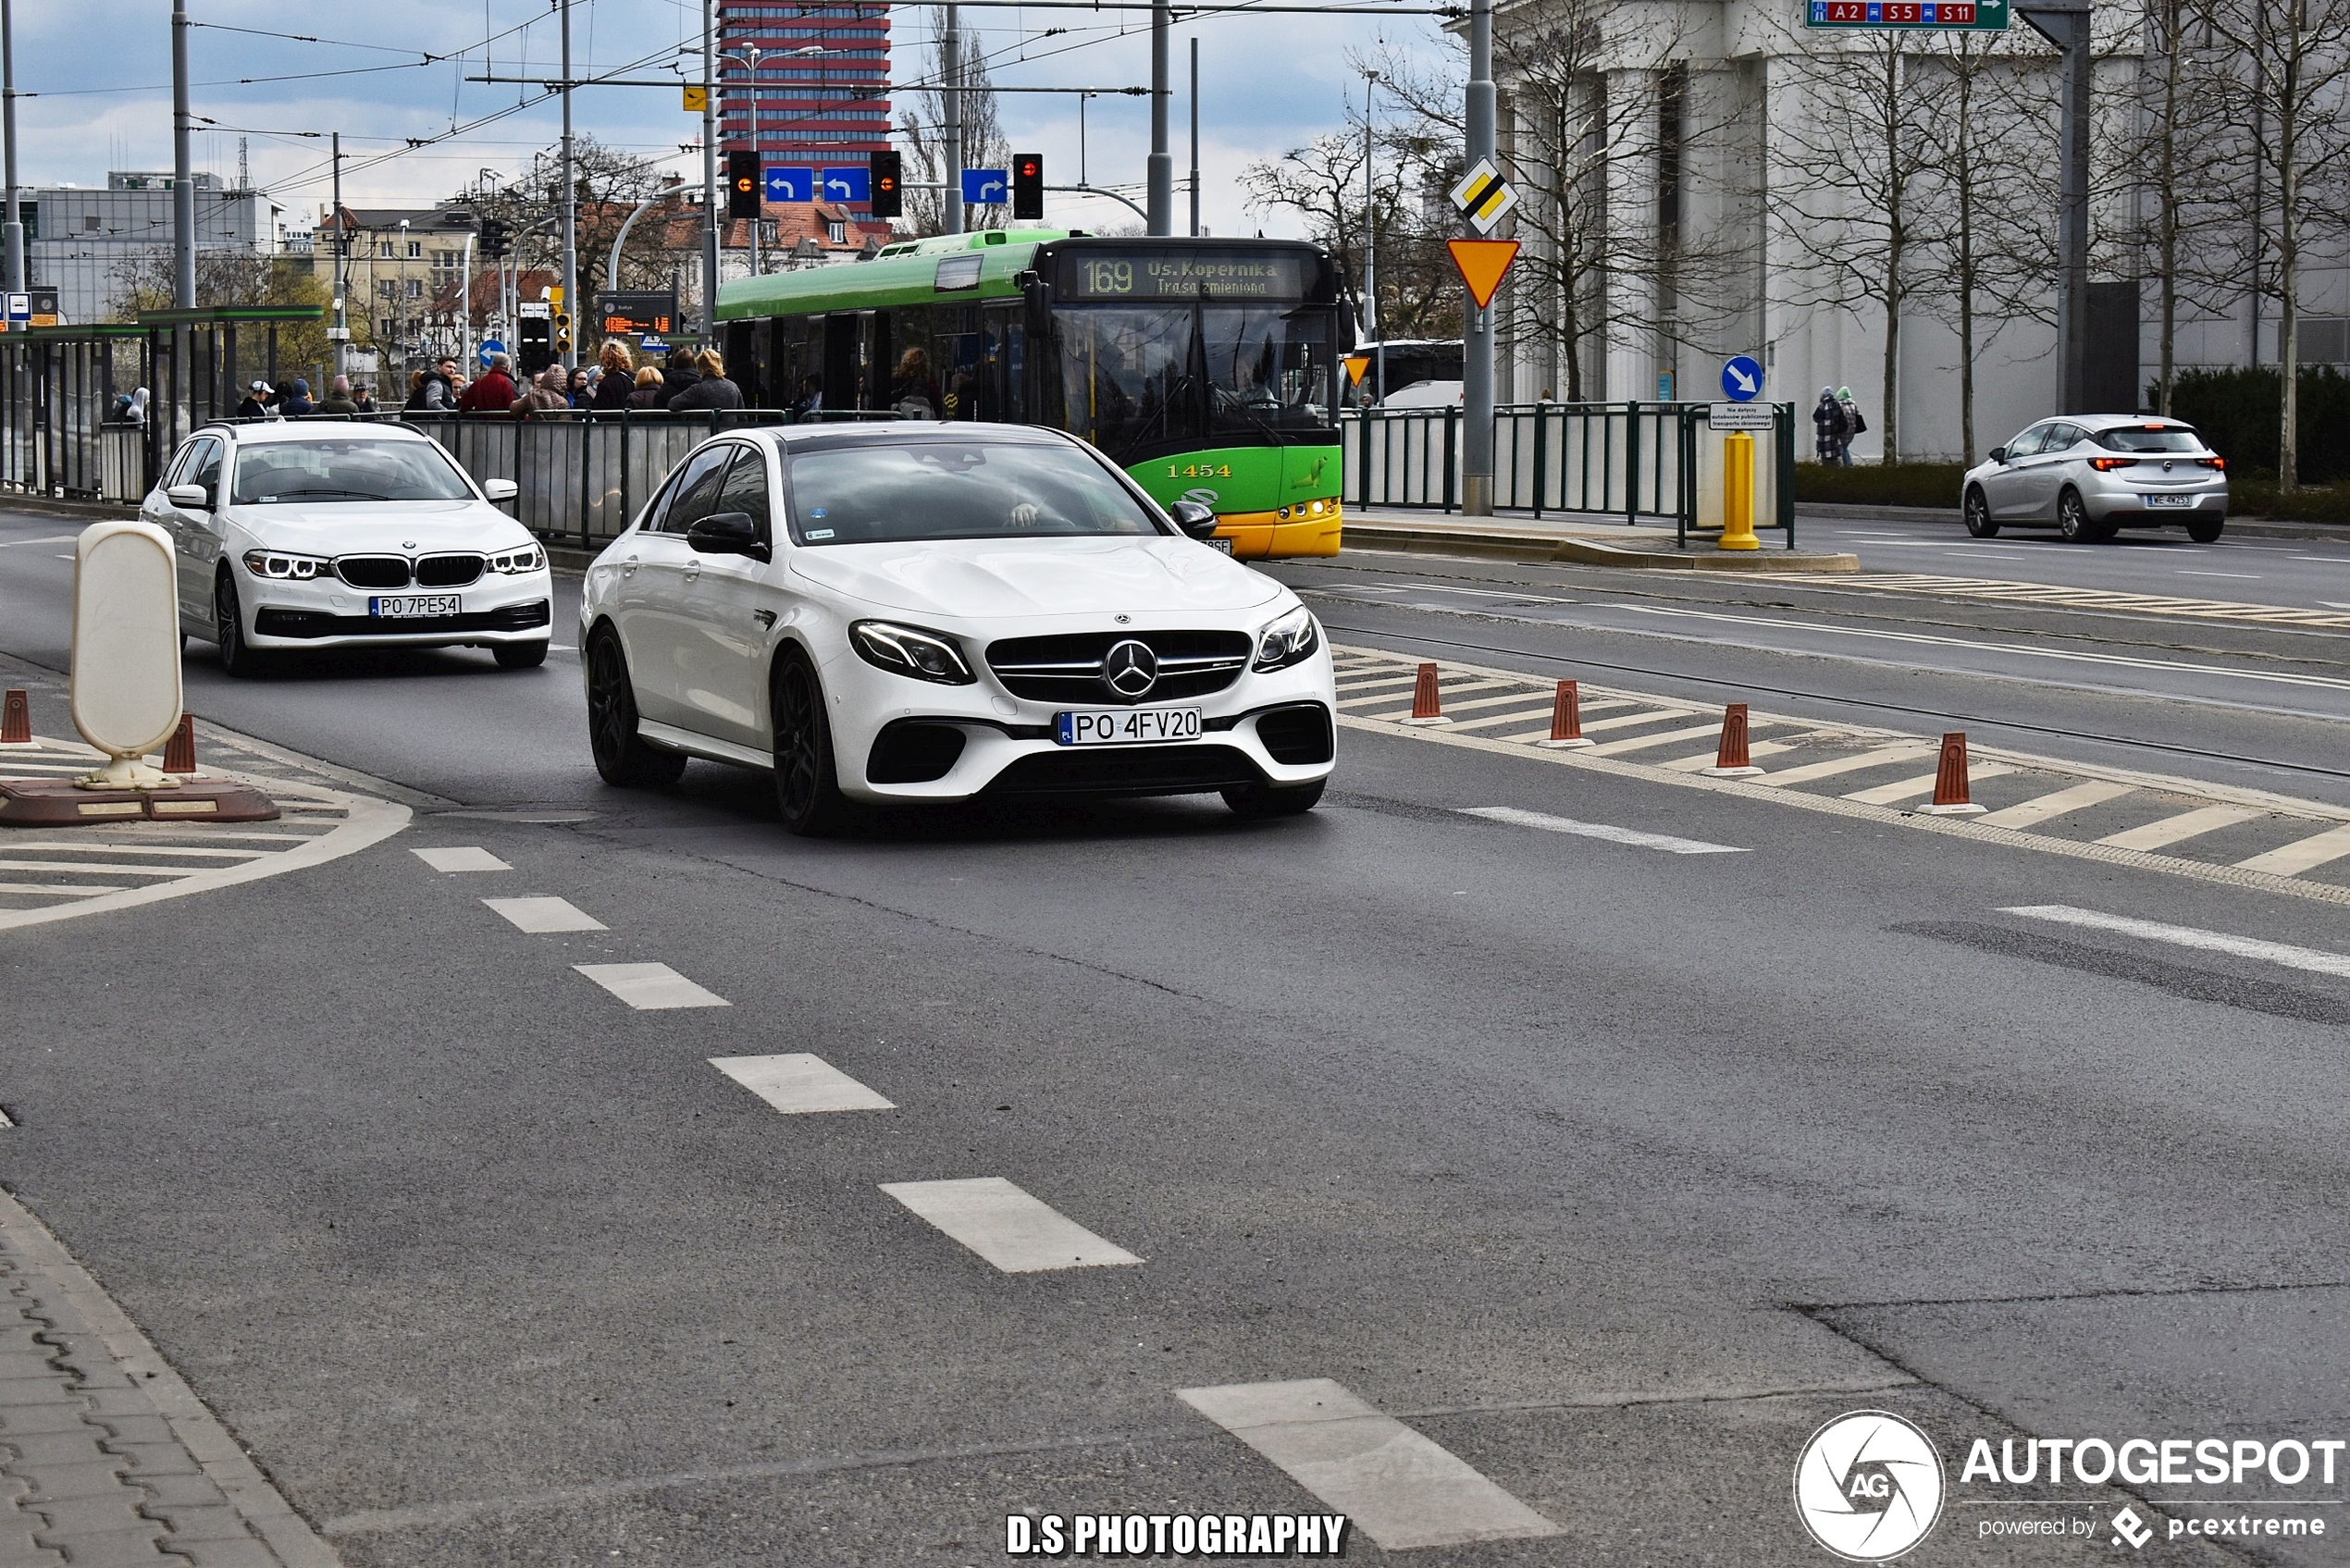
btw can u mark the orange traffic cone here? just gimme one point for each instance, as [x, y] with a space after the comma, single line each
[1566, 721]
[179, 751]
[1729, 758]
[1427, 709]
[16, 720]
[1950, 781]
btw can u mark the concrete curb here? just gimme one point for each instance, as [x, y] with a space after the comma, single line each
[1530, 545]
[2247, 528]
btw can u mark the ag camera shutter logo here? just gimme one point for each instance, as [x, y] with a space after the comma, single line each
[1869, 1486]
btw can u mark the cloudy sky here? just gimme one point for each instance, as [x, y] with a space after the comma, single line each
[94, 76]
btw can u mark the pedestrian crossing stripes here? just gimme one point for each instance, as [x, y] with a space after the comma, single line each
[2192, 824]
[2074, 598]
[1398, 1487]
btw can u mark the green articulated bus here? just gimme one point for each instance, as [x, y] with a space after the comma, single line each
[1205, 368]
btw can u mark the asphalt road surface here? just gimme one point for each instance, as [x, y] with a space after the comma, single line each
[1601, 1172]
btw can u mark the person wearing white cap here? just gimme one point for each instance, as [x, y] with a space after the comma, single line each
[256, 403]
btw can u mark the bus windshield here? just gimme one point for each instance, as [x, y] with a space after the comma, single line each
[1138, 378]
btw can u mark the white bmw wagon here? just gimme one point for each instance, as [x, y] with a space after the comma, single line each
[903, 613]
[294, 535]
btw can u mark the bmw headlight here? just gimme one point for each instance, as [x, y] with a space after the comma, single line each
[909, 650]
[278, 563]
[530, 558]
[1287, 641]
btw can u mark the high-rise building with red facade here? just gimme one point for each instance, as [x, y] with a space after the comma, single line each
[821, 81]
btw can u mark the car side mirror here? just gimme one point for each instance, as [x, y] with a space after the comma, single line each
[195, 496]
[1999, 455]
[500, 490]
[1195, 517]
[728, 533]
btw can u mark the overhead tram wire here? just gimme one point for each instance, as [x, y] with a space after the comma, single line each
[426, 59]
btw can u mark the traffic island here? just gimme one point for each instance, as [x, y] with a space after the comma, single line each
[1513, 540]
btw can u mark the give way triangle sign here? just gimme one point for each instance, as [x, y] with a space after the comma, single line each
[1482, 263]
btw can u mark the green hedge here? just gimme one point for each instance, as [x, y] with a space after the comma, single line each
[2254, 495]
[2237, 411]
[1904, 484]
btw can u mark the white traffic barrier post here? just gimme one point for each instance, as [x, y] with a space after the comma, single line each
[126, 650]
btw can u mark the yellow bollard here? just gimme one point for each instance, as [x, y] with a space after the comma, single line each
[1738, 492]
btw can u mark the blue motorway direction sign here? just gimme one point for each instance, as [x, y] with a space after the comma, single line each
[1742, 380]
[1989, 16]
[986, 187]
[851, 184]
[791, 184]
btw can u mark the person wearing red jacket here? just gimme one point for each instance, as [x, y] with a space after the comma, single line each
[491, 392]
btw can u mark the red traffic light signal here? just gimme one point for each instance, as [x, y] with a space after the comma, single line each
[742, 185]
[889, 184]
[1028, 185]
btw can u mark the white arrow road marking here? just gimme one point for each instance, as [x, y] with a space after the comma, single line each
[799, 1082]
[2310, 958]
[1632, 837]
[1399, 1487]
[1018, 1233]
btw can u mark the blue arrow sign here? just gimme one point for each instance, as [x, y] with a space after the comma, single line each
[853, 184]
[1742, 380]
[490, 346]
[649, 344]
[986, 187]
[791, 184]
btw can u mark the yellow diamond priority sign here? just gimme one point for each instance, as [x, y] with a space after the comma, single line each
[1483, 197]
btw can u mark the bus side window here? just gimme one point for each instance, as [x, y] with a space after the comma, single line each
[841, 359]
[1002, 336]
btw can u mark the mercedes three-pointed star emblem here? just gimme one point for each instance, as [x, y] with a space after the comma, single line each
[1131, 669]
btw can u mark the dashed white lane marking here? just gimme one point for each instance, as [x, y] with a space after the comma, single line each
[1632, 837]
[462, 857]
[1018, 1233]
[2313, 959]
[2303, 855]
[1910, 789]
[1401, 1489]
[799, 1083]
[2185, 825]
[544, 915]
[650, 987]
[2056, 803]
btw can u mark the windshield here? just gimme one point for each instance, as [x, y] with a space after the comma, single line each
[875, 492]
[2155, 438]
[1139, 377]
[359, 469]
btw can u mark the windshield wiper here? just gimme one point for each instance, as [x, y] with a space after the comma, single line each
[330, 490]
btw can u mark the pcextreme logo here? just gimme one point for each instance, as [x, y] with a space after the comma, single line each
[1869, 1486]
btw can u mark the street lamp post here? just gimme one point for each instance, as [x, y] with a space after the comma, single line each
[951, 99]
[1370, 248]
[400, 276]
[571, 211]
[15, 234]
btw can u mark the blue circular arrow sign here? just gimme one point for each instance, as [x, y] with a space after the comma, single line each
[490, 346]
[1742, 380]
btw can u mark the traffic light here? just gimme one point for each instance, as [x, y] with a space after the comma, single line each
[493, 237]
[742, 185]
[889, 197]
[1028, 185]
[563, 331]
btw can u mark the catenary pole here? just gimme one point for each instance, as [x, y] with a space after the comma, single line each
[2065, 23]
[15, 233]
[1194, 134]
[1477, 412]
[1371, 246]
[341, 269]
[951, 99]
[183, 194]
[710, 216]
[1161, 197]
[571, 209]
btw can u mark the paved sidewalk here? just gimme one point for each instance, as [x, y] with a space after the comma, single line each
[107, 1457]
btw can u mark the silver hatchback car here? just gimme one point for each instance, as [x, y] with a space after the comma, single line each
[2090, 474]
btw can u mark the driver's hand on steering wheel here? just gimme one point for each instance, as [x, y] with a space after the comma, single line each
[1024, 515]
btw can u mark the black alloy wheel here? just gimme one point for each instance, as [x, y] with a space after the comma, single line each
[1258, 802]
[519, 655]
[238, 657]
[621, 756]
[1978, 517]
[806, 781]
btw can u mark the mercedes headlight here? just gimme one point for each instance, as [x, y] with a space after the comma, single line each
[909, 650]
[530, 558]
[1287, 641]
[278, 563]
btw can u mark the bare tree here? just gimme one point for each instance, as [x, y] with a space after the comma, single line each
[1862, 161]
[144, 281]
[925, 129]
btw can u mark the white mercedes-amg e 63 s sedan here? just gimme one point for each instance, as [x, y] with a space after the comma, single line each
[903, 613]
[293, 535]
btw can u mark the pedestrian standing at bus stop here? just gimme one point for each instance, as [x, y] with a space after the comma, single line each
[1828, 428]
